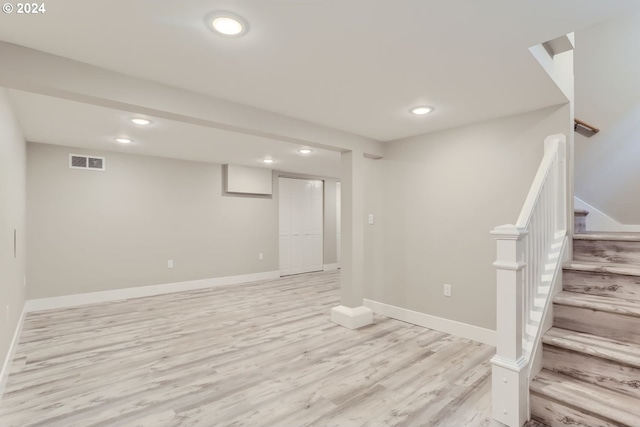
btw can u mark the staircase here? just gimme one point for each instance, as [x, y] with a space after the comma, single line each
[591, 355]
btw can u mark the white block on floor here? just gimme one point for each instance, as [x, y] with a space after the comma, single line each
[352, 317]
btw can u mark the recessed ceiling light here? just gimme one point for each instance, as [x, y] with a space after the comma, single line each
[421, 110]
[227, 24]
[124, 140]
[141, 121]
[305, 151]
[268, 160]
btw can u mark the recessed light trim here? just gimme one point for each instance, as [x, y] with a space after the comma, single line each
[305, 151]
[268, 161]
[421, 110]
[123, 140]
[140, 121]
[227, 24]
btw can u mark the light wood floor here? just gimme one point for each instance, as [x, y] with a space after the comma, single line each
[259, 354]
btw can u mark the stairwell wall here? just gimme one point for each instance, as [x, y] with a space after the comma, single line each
[607, 63]
[436, 197]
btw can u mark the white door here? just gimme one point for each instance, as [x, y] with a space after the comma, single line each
[301, 217]
[338, 222]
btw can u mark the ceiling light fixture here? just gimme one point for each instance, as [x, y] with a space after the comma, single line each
[305, 151]
[124, 140]
[421, 110]
[140, 121]
[268, 161]
[227, 24]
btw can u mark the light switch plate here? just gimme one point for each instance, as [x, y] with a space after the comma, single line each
[447, 290]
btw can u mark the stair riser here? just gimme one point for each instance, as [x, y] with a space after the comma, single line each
[606, 251]
[611, 325]
[579, 224]
[595, 370]
[555, 414]
[603, 284]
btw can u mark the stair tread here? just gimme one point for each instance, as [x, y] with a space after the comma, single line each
[600, 303]
[597, 401]
[603, 267]
[609, 235]
[618, 351]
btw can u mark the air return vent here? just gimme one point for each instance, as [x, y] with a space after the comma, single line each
[77, 161]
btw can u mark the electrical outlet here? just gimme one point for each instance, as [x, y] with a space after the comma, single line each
[170, 263]
[447, 290]
[371, 219]
[260, 256]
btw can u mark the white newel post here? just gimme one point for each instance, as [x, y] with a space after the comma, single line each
[510, 392]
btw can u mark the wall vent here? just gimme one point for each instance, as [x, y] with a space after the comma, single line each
[77, 161]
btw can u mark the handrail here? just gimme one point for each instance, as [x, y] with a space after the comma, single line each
[536, 189]
[528, 265]
[591, 128]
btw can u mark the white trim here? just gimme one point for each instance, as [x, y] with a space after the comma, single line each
[509, 266]
[464, 330]
[6, 367]
[143, 291]
[600, 221]
[331, 267]
[352, 317]
[515, 366]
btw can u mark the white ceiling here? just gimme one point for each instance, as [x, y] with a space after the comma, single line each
[355, 65]
[52, 120]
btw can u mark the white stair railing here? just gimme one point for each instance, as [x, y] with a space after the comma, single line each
[528, 257]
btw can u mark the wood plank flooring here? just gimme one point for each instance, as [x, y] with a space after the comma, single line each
[258, 354]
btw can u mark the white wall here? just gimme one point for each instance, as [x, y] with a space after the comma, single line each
[95, 231]
[436, 197]
[597, 220]
[607, 66]
[12, 217]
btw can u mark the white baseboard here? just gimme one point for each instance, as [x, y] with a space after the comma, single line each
[352, 317]
[600, 221]
[464, 330]
[142, 291]
[331, 267]
[6, 366]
